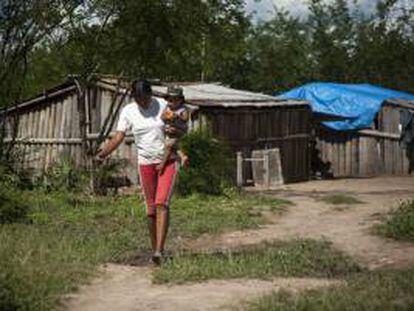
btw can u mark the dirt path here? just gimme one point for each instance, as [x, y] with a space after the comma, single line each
[130, 288]
[348, 227]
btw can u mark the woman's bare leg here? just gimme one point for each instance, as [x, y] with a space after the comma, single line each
[162, 224]
[152, 228]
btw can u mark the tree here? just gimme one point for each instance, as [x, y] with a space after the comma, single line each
[23, 25]
[334, 43]
[279, 54]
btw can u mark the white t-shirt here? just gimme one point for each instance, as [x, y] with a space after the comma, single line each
[147, 128]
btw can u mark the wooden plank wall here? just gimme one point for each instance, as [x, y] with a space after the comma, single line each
[286, 128]
[50, 130]
[357, 155]
[40, 128]
[100, 108]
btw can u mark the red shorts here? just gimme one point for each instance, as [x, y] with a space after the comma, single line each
[157, 189]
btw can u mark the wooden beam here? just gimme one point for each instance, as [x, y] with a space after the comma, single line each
[373, 133]
[39, 99]
[128, 139]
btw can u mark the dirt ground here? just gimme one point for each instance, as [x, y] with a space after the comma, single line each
[347, 227]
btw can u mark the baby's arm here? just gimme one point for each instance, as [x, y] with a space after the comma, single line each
[167, 114]
[184, 116]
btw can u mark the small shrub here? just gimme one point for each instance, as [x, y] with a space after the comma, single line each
[210, 165]
[12, 175]
[64, 175]
[107, 175]
[399, 224]
[13, 208]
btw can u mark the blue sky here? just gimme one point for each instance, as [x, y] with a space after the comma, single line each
[264, 8]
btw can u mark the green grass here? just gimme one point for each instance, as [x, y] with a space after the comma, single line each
[340, 199]
[197, 214]
[399, 223]
[66, 236]
[370, 291]
[294, 258]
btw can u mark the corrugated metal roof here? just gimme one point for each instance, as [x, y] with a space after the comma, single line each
[216, 92]
[217, 95]
[196, 93]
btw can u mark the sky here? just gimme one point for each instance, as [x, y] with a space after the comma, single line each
[263, 9]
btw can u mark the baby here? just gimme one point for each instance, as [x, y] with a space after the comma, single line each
[175, 117]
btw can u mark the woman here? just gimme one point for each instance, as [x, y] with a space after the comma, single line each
[143, 117]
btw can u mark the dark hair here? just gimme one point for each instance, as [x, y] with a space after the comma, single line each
[141, 88]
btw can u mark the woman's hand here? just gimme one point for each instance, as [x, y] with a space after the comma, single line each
[99, 158]
[109, 147]
[184, 159]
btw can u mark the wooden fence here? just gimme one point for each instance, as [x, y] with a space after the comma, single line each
[365, 153]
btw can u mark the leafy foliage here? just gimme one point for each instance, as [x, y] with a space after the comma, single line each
[209, 170]
[107, 175]
[13, 208]
[64, 175]
[399, 224]
[209, 40]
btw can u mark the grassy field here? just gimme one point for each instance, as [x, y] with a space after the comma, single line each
[369, 291]
[66, 236]
[293, 258]
[399, 223]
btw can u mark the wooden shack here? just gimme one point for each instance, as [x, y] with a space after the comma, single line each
[368, 152]
[51, 124]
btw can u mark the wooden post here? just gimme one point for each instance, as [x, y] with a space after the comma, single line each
[266, 164]
[239, 169]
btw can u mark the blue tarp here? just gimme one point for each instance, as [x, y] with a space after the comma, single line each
[357, 103]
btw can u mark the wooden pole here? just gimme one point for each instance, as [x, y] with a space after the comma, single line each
[239, 169]
[266, 164]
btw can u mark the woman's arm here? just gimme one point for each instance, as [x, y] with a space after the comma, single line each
[184, 158]
[110, 145]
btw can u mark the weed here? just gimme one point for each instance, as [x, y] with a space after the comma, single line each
[384, 290]
[198, 214]
[293, 258]
[13, 208]
[399, 223]
[339, 198]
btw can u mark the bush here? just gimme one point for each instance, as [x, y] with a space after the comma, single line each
[64, 175]
[13, 208]
[108, 175]
[12, 175]
[210, 165]
[399, 224]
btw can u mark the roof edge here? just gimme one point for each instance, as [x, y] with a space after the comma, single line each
[60, 90]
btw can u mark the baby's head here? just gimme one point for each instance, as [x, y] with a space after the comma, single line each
[175, 96]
